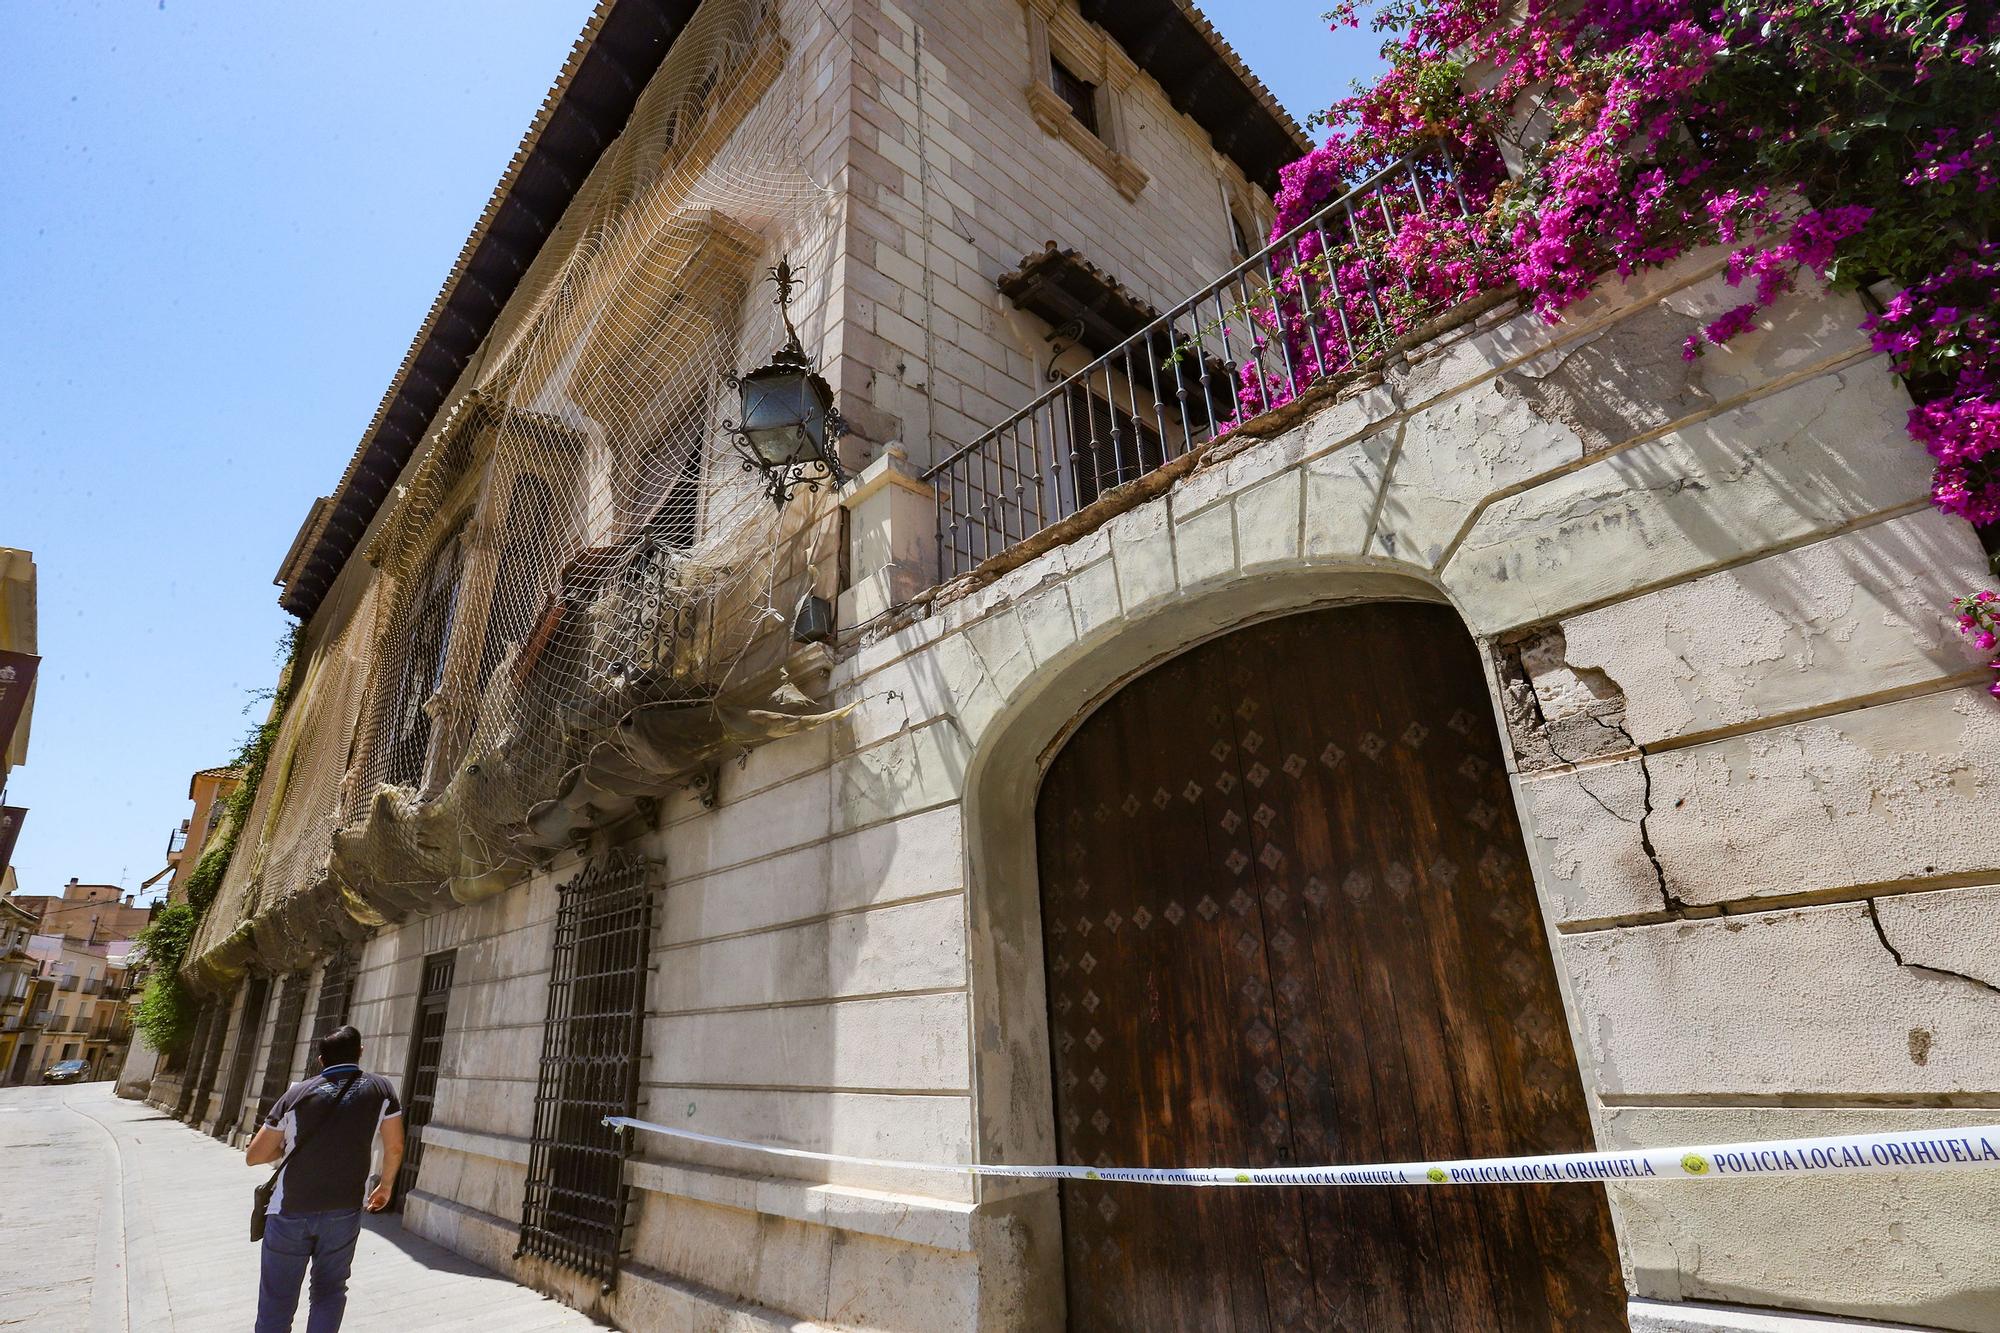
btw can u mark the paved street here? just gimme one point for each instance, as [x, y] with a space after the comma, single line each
[115, 1217]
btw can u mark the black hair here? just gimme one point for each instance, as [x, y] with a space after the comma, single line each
[342, 1046]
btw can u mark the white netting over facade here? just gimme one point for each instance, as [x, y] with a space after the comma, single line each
[577, 595]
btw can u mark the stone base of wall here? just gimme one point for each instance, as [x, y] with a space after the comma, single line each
[165, 1092]
[645, 1297]
[1660, 1317]
[135, 1076]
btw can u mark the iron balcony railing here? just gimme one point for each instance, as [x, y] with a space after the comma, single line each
[1317, 302]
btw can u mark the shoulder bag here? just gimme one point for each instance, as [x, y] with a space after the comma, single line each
[262, 1194]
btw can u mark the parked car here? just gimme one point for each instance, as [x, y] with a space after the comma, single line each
[67, 1071]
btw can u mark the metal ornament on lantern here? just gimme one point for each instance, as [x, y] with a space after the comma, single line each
[789, 427]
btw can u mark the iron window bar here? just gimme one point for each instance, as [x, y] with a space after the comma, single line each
[284, 1043]
[426, 1064]
[257, 991]
[211, 1060]
[1251, 340]
[191, 1070]
[577, 1201]
[336, 998]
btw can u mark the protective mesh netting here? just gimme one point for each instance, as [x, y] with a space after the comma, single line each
[577, 596]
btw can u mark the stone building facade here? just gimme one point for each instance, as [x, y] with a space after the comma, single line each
[1604, 697]
[17, 635]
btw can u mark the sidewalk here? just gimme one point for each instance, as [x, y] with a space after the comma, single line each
[116, 1219]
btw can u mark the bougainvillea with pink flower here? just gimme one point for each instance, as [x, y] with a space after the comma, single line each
[1854, 140]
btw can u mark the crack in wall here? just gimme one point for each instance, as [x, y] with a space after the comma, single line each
[1671, 902]
[1875, 919]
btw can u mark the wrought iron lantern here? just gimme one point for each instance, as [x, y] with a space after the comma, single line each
[789, 427]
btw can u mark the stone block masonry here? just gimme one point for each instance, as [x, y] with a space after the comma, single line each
[1752, 769]
[1749, 757]
[1749, 761]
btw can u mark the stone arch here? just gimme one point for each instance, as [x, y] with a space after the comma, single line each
[1012, 736]
[1011, 740]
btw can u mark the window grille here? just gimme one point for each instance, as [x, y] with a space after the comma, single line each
[189, 1059]
[210, 1062]
[1077, 92]
[428, 647]
[518, 592]
[284, 1043]
[652, 618]
[575, 1209]
[336, 997]
[1239, 235]
[247, 1034]
[426, 1057]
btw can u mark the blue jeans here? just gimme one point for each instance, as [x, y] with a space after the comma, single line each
[291, 1241]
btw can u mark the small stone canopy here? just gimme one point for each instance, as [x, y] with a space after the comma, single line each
[1067, 291]
[1091, 309]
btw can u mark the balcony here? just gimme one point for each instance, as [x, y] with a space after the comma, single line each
[1312, 308]
[68, 983]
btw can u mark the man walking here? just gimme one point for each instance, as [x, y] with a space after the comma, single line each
[323, 1130]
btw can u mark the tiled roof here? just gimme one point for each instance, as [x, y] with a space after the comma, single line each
[1206, 80]
[1064, 289]
[1256, 85]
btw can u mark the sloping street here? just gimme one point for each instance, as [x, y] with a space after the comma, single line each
[117, 1217]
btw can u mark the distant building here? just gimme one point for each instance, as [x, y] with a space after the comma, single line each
[18, 666]
[17, 983]
[87, 913]
[78, 1008]
[210, 790]
[79, 1004]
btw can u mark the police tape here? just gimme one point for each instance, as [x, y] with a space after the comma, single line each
[1965, 1149]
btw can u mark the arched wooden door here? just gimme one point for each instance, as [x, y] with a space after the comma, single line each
[1288, 919]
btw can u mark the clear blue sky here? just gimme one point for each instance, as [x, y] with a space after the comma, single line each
[220, 226]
